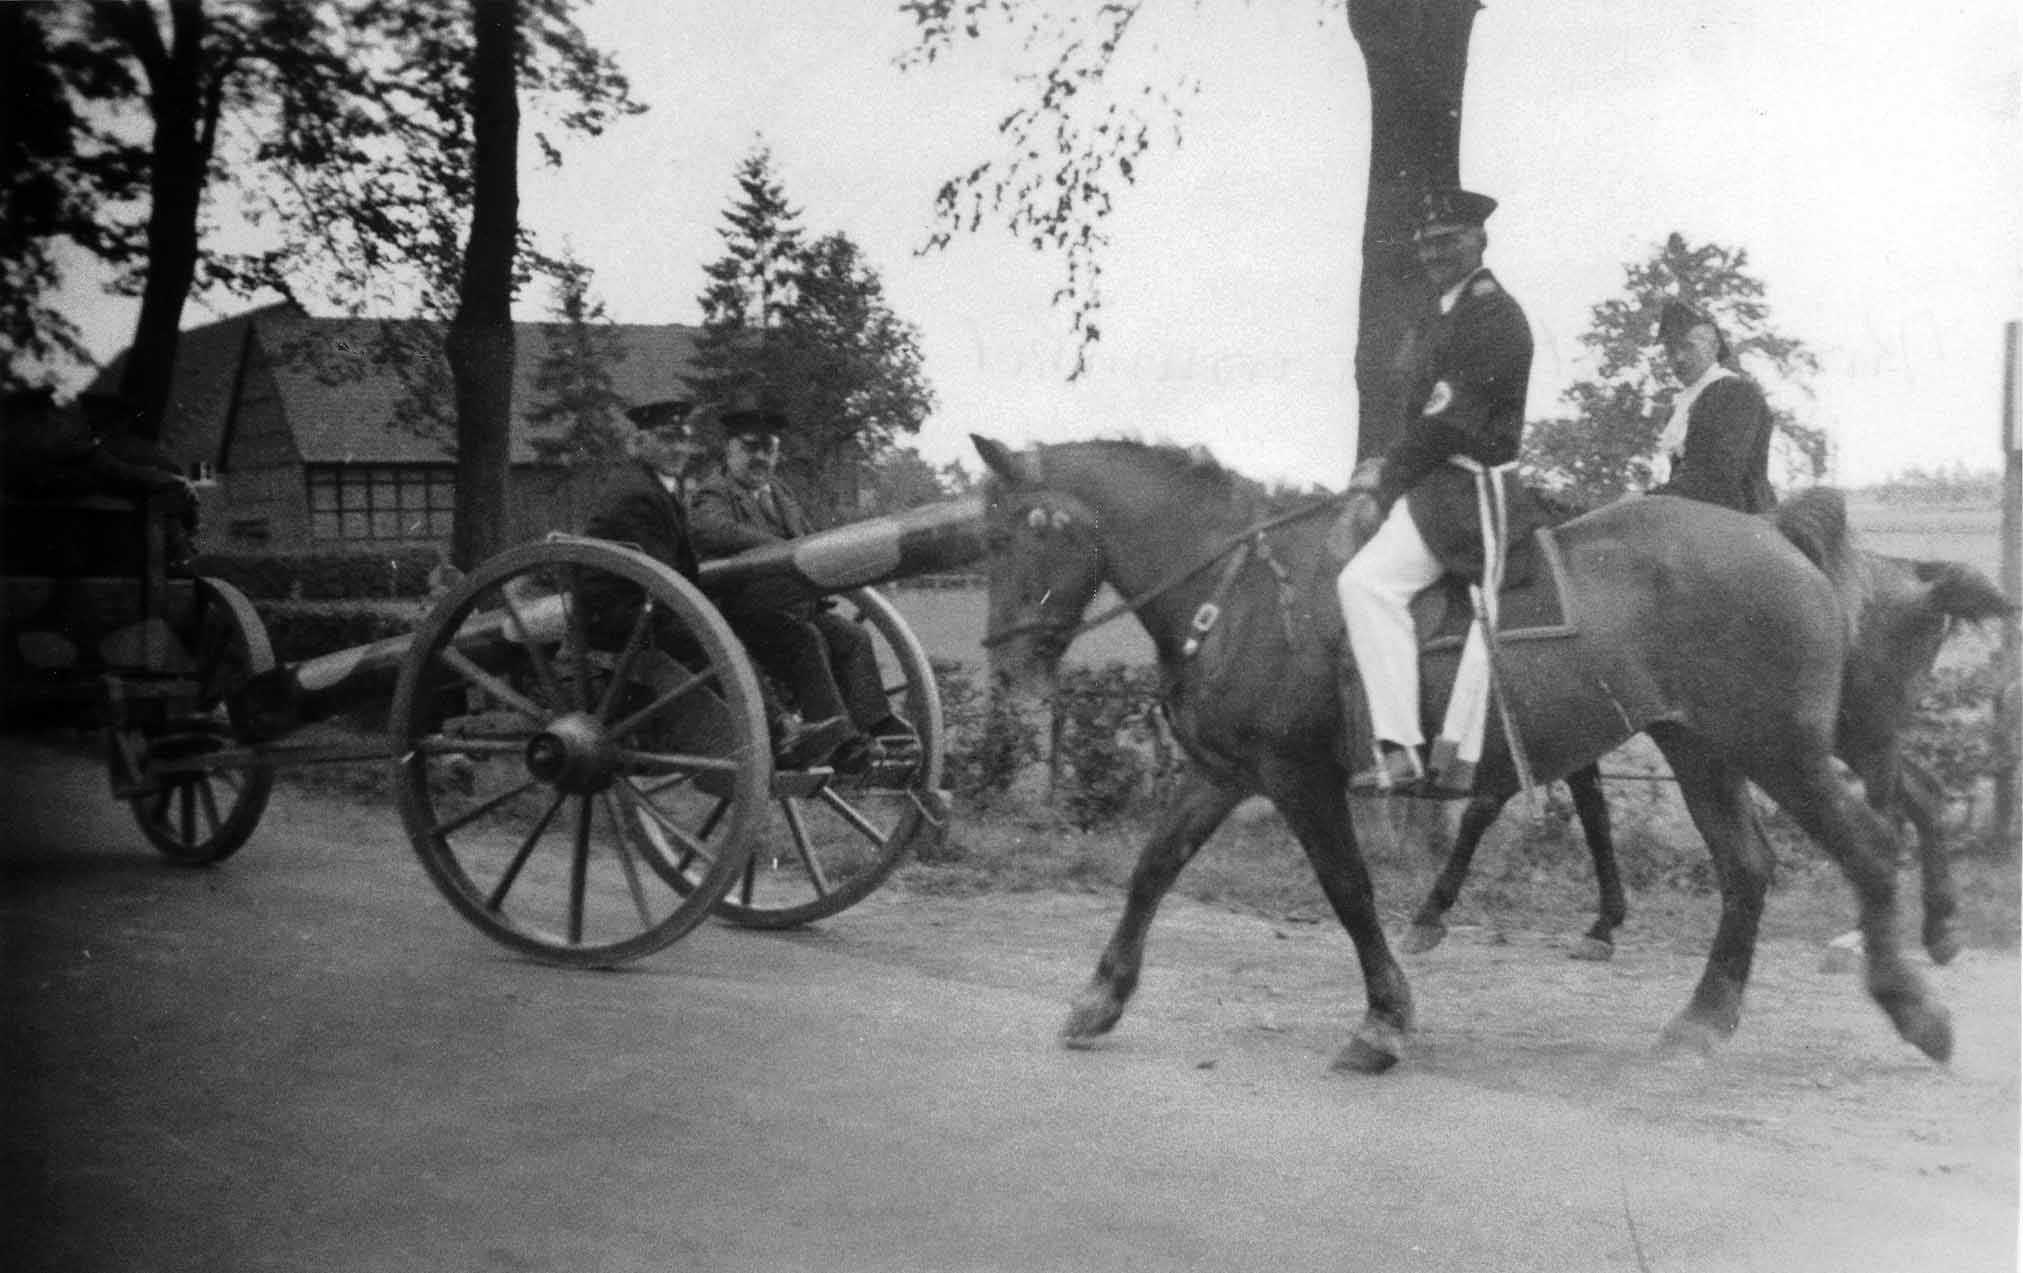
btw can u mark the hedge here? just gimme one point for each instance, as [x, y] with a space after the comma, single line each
[391, 574]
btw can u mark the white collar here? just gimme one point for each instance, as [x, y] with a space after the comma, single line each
[1452, 296]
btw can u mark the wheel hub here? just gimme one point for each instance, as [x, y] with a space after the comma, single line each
[571, 754]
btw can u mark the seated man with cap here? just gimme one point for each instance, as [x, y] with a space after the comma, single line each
[824, 661]
[1717, 439]
[1464, 411]
[643, 506]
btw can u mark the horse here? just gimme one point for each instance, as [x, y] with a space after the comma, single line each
[1703, 628]
[1908, 609]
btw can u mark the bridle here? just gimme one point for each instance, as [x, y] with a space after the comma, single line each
[1234, 551]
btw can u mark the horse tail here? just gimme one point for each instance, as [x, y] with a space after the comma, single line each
[1961, 592]
[1815, 522]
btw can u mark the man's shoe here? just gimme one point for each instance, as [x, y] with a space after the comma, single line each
[1397, 772]
[802, 745]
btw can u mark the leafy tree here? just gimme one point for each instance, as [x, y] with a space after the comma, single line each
[40, 200]
[1607, 446]
[846, 369]
[803, 327]
[900, 479]
[345, 132]
[1079, 138]
[574, 378]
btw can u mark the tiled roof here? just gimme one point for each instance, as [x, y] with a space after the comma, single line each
[342, 396]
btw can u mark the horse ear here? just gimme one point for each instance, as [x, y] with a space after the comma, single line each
[1000, 459]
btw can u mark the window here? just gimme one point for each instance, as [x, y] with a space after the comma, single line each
[376, 503]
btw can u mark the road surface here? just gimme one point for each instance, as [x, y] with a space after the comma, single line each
[302, 1060]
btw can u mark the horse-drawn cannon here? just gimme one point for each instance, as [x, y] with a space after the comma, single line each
[578, 749]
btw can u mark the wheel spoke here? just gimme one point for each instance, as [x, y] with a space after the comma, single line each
[579, 869]
[544, 671]
[682, 762]
[798, 824]
[470, 745]
[625, 727]
[692, 846]
[186, 811]
[210, 804]
[493, 685]
[497, 900]
[579, 635]
[848, 812]
[471, 815]
[635, 644]
[625, 862]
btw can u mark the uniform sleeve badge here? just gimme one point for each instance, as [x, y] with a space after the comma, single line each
[1439, 400]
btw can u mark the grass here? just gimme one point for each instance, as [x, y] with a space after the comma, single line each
[1529, 875]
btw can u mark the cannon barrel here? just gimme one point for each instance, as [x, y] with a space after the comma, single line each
[315, 689]
[940, 536]
[920, 541]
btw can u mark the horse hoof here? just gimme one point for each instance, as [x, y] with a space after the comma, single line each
[1373, 1049]
[1928, 1027]
[1424, 937]
[1943, 947]
[1090, 1019]
[1592, 950]
[1689, 1036]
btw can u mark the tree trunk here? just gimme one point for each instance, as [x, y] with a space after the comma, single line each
[1416, 55]
[480, 344]
[185, 110]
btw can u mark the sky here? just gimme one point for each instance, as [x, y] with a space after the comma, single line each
[1866, 153]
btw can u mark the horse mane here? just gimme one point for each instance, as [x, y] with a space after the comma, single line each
[1815, 523]
[1193, 469]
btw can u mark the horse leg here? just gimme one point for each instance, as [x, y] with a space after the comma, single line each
[1860, 840]
[1198, 807]
[1310, 794]
[1593, 807]
[1922, 801]
[1429, 926]
[1717, 797]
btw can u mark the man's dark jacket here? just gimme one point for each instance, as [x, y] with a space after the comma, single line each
[1467, 398]
[729, 519]
[1726, 459]
[638, 509]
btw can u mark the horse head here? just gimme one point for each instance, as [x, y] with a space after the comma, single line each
[1045, 564]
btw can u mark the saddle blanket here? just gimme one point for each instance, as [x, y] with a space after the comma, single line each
[1531, 610]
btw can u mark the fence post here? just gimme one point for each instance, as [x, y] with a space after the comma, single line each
[2006, 743]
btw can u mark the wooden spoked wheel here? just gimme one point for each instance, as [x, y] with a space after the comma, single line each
[190, 813]
[565, 693]
[829, 840]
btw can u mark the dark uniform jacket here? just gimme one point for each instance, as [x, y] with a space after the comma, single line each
[1467, 398]
[638, 509]
[730, 519]
[1726, 459]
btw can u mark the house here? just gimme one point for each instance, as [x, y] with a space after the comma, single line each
[306, 436]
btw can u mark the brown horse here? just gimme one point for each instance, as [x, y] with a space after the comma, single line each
[1704, 628]
[1907, 610]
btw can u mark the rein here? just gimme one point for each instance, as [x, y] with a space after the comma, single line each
[1250, 540]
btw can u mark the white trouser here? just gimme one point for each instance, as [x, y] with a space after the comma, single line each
[1376, 590]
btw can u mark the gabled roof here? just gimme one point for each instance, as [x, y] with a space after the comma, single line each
[343, 396]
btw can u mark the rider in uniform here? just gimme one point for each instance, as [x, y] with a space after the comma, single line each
[1465, 409]
[1717, 439]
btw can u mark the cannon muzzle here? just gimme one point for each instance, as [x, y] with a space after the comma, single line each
[920, 541]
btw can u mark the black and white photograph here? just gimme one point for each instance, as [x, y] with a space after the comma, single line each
[913, 636]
